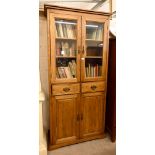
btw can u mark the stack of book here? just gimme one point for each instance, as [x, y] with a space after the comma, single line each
[65, 31]
[95, 33]
[65, 48]
[93, 70]
[68, 71]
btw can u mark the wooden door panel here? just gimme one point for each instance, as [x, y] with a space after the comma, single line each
[66, 125]
[93, 109]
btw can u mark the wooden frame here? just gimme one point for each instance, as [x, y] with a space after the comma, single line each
[104, 21]
[52, 47]
[73, 92]
[62, 8]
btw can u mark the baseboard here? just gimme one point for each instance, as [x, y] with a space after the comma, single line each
[52, 147]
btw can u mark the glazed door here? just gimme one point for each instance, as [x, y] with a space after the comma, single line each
[64, 119]
[65, 43]
[95, 47]
[92, 111]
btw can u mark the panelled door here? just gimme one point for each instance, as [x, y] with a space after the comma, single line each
[94, 45]
[92, 114]
[65, 46]
[64, 119]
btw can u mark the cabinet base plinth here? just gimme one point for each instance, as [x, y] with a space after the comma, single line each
[55, 146]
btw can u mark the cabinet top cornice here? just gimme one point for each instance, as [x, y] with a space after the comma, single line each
[47, 6]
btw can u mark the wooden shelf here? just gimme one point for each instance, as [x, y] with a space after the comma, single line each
[65, 56]
[66, 38]
[93, 76]
[93, 57]
[64, 78]
[94, 40]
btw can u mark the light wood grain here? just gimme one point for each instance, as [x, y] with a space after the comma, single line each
[93, 87]
[62, 89]
[73, 10]
[65, 122]
[92, 108]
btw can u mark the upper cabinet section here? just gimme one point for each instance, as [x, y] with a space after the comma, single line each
[65, 37]
[77, 46]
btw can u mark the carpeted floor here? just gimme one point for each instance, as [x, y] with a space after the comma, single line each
[94, 147]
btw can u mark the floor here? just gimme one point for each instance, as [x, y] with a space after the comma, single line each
[94, 147]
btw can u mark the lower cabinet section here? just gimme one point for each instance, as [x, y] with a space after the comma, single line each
[76, 118]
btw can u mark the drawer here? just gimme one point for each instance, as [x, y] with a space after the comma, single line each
[93, 87]
[61, 89]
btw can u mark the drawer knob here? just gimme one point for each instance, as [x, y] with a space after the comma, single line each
[93, 87]
[66, 89]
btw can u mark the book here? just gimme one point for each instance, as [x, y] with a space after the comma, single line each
[89, 72]
[60, 29]
[57, 73]
[60, 72]
[63, 49]
[94, 34]
[100, 34]
[70, 31]
[66, 48]
[68, 72]
[74, 67]
[57, 31]
[72, 49]
[58, 48]
[93, 71]
[74, 31]
[65, 31]
[96, 69]
[64, 73]
[86, 72]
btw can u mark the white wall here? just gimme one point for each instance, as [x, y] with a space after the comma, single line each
[113, 5]
[43, 66]
[105, 7]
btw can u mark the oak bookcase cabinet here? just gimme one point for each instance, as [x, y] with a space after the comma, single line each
[78, 58]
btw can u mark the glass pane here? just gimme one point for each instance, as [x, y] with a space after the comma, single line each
[93, 67]
[94, 49]
[66, 48]
[94, 31]
[66, 28]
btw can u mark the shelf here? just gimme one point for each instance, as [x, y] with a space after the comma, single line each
[64, 78]
[94, 40]
[65, 56]
[93, 77]
[93, 57]
[66, 38]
